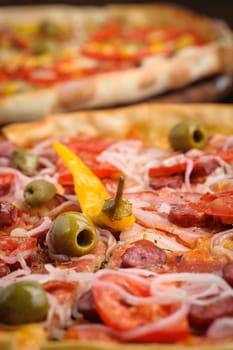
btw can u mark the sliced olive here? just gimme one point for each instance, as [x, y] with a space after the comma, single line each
[38, 192]
[23, 302]
[72, 234]
[186, 135]
[25, 161]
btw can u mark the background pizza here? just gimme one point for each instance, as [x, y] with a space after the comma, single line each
[75, 57]
[167, 262]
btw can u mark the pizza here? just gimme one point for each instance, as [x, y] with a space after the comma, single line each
[56, 59]
[116, 230]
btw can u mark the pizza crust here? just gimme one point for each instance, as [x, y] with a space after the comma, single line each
[155, 121]
[140, 83]
[127, 86]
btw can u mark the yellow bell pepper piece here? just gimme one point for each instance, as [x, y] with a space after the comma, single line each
[90, 191]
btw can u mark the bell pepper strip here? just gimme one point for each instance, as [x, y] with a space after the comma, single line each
[92, 194]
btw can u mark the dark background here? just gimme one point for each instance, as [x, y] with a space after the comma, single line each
[216, 8]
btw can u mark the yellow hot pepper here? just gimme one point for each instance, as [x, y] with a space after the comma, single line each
[92, 195]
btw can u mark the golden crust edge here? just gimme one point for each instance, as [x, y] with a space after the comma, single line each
[119, 122]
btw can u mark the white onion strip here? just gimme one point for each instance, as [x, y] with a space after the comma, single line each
[217, 243]
[191, 287]
[221, 328]
[44, 226]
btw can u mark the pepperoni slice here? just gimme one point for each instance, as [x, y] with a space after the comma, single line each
[201, 316]
[143, 255]
[186, 216]
[221, 207]
[8, 214]
[86, 306]
[175, 181]
[228, 273]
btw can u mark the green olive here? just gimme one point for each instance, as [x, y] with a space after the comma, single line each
[52, 29]
[38, 192]
[72, 234]
[43, 46]
[25, 161]
[23, 302]
[186, 135]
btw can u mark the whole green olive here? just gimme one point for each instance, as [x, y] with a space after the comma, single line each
[25, 161]
[23, 302]
[186, 135]
[52, 29]
[38, 192]
[72, 234]
[41, 47]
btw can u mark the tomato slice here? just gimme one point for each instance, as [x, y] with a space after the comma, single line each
[62, 290]
[110, 29]
[225, 155]
[5, 183]
[118, 314]
[221, 207]
[167, 170]
[4, 76]
[12, 245]
[93, 145]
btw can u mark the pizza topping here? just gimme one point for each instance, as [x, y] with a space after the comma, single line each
[9, 214]
[162, 240]
[141, 317]
[25, 161]
[228, 273]
[114, 42]
[86, 306]
[221, 243]
[186, 216]
[91, 193]
[72, 234]
[201, 316]
[175, 181]
[38, 192]
[186, 135]
[23, 302]
[221, 328]
[143, 254]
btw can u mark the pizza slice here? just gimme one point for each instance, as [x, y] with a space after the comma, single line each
[116, 229]
[74, 58]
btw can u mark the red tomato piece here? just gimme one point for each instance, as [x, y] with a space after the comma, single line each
[93, 145]
[167, 170]
[4, 76]
[225, 155]
[5, 183]
[110, 29]
[119, 315]
[63, 291]
[12, 245]
[221, 207]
